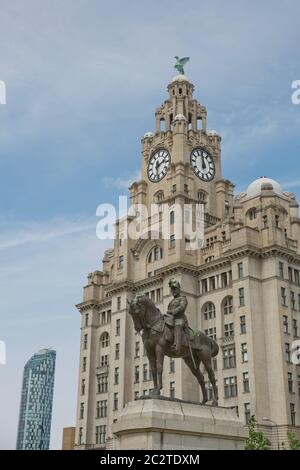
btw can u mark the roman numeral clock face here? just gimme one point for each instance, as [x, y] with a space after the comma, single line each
[158, 165]
[203, 164]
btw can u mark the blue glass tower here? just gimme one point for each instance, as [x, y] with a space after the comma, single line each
[36, 401]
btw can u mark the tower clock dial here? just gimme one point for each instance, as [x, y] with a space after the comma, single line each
[158, 165]
[203, 164]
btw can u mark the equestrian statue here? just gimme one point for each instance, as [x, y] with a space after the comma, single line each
[170, 335]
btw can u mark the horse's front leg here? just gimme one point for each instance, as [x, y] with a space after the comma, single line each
[150, 350]
[160, 355]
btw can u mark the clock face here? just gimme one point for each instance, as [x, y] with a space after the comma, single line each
[203, 164]
[158, 165]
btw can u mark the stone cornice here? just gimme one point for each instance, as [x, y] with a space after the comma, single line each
[93, 303]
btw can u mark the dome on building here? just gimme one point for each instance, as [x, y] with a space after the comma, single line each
[181, 78]
[148, 134]
[262, 184]
[179, 117]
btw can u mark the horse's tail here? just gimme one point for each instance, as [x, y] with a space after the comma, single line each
[214, 347]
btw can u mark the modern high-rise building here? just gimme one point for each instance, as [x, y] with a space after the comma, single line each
[36, 401]
[242, 285]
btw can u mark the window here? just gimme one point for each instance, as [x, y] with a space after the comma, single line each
[299, 385]
[228, 305]
[209, 311]
[118, 303]
[229, 329]
[81, 413]
[85, 340]
[172, 241]
[82, 386]
[83, 364]
[295, 327]
[242, 296]
[243, 324]
[290, 382]
[287, 353]
[174, 188]
[172, 218]
[117, 351]
[293, 414]
[290, 271]
[116, 401]
[277, 221]
[172, 389]
[101, 409]
[224, 280]
[121, 262]
[227, 208]
[205, 289]
[137, 349]
[156, 253]
[80, 436]
[280, 268]
[185, 188]
[118, 327]
[246, 385]
[293, 301]
[104, 340]
[136, 374]
[285, 324]
[247, 412]
[211, 332]
[102, 318]
[240, 270]
[159, 295]
[230, 387]
[102, 383]
[101, 434]
[172, 365]
[297, 277]
[244, 352]
[229, 358]
[252, 214]
[145, 372]
[201, 197]
[136, 395]
[299, 302]
[283, 296]
[265, 221]
[117, 370]
[212, 283]
[86, 321]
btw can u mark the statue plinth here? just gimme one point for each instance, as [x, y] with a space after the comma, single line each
[162, 423]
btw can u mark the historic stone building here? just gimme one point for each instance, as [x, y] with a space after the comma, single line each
[242, 286]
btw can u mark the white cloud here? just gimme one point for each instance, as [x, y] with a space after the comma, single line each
[121, 182]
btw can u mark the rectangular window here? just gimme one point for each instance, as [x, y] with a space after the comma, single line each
[80, 436]
[172, 241]
[82, 386]
[136, 374]
[295, 327]
[297, 277]
[159, 295]
[86, 321]
[280, 269]
[137, 349]
[247, 412]
[102, 318]
[121, 262]
[243, 324]
[108, 316]
[81, 413]
[224, 280]
[229, 329]
[117, 351]
[285, 324]
[240, 270]
[293, 301]
[85, 341]
[101, 434]
[290, 274]
[299, 302]
[242, 296]
[102, 383]
[145, 372]
[205, 289]
[244, 352]
[293, 414]
[172, 365]
[116, 401]
[118, 303]
[83, 364]
[287, 353]
[283, 296]
[104, 360]
[117, 371]
[136, 395]
[172, 389]
[118, 327]
[265, 221]
[290, 382]
[212, 283]
[246, 385]
[230, 387]
[229, 358]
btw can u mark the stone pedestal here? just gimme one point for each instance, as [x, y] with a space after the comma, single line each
[170, 424]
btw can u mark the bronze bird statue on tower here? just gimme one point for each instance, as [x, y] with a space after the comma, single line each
[180, 63]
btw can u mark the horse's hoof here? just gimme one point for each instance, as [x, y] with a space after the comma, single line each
[215, 403]
[155, 392]
[203, 401]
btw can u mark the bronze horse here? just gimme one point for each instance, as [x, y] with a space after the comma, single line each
[158, 338]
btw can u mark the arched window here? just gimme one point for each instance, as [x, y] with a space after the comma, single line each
[172, 218]
[201, 197]
[209, 311]
[252, 214]
[159, 196]
[104, 340]
[156, 253]
[227, 305]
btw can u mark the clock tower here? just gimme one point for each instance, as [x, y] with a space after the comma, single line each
[181, 160]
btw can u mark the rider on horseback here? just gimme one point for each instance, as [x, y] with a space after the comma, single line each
[176, 314]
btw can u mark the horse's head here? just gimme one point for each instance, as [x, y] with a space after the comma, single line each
[137, 312]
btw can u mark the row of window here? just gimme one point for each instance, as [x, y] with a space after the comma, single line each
[283, 298]
[286, 327]
[293, 274]
[219, 281]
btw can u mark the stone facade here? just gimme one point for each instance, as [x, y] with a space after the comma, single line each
[242, 286]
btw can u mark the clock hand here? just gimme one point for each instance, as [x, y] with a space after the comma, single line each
[203, 164]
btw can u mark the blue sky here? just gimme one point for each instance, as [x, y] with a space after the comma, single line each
[83, 80]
